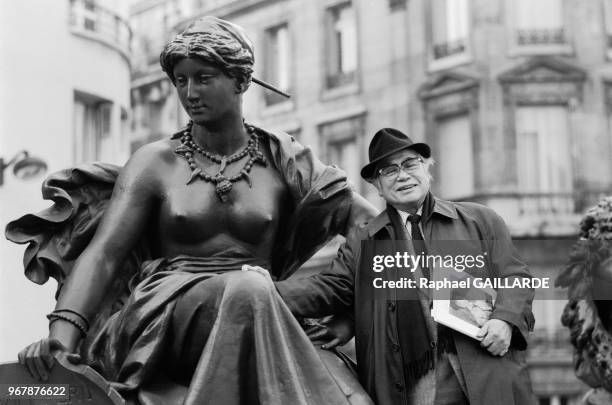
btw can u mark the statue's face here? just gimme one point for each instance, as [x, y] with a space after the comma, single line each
[205, 91]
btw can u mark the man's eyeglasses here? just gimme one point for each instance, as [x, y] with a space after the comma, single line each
[410, 166]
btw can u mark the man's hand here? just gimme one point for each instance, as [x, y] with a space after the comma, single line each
[259, 270]
[340, 329]
[39, 357]
[496, 335]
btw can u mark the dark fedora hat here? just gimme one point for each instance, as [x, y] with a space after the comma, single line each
[386, 142]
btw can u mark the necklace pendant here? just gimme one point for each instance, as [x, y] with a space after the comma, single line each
[223, 187]
[182, 149]
[194, 175]
[245, 174]
[223, 164]
[260, 158]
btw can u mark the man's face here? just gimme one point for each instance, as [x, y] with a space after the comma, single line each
[407, 189]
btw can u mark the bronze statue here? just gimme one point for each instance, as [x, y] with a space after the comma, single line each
[588, 313]
[153, 297]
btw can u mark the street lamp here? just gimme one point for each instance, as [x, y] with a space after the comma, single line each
[24, 166]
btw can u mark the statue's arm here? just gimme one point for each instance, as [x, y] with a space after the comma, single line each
[361, 212]
[131, 204]
[325, 205]
[330, 292]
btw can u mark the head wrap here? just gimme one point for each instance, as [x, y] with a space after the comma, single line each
[215, 41]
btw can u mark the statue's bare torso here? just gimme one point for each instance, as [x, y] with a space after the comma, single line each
[196, 222]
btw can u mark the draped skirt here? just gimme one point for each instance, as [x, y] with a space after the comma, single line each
[200, 331]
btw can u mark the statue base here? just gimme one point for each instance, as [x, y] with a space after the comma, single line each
[72, 384]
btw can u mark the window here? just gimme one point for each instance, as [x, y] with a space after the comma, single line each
[608, 26]
[345, 154]
[548, 310]
[89, 15]
[154, 114]
[84, 14]
[92, 127]
[125, 123]
[150, 117]
[449, 24]
[88, 18]
[342, 146]
[544, 162]
[277, 62]
[148, 41]
[341, 46]
[456, 156]
[539, 22]
[543, 149]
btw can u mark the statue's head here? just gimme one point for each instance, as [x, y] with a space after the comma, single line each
[597, 223]
[215, 41]
[588, 273]
[588, 313]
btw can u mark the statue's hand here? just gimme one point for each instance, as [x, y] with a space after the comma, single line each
[259, 270]
[340, 329]
[39, 357]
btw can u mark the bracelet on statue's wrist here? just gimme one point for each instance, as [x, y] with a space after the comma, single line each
[54, 316]
[84, 320]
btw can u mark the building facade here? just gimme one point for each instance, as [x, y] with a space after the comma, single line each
[514, 96]
[64, 97]
[155, 108]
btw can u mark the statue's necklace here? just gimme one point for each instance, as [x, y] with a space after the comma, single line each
[223, 184]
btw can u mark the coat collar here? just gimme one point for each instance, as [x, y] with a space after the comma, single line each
[432, 205]
[441, 207]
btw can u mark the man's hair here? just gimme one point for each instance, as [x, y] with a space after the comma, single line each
[215, 41]
[429, 162]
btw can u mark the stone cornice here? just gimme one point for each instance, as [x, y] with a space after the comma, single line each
[543, 69]
[227, 11]
[446, 83]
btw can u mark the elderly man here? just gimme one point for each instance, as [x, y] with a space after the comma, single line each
[403, 356]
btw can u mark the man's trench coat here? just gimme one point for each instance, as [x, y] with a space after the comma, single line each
[347, 286]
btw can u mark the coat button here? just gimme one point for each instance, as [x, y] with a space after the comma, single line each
[395, 347]
[433, 344]
[391, 306]
[399, 386]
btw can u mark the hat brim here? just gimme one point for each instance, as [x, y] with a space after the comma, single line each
[369, 170]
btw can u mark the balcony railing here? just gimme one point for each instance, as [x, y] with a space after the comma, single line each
[442, 50]
[541, 36]
[545, 204]
[88, 18]
[544, 340]
[541, 214]
[550, 346]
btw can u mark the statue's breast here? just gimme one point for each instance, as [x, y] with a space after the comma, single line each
[193, 217]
